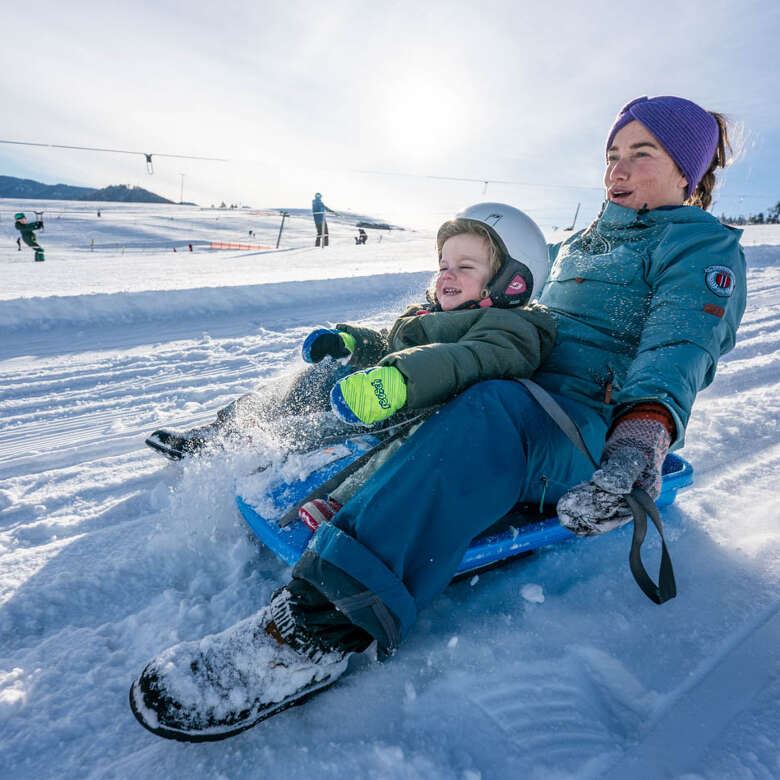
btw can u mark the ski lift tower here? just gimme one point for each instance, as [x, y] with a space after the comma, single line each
[574, 221]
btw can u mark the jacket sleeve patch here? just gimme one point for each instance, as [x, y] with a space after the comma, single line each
[711, 308]
[720, 280]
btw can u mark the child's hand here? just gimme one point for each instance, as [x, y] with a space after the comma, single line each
[369, 396]
[323, 342]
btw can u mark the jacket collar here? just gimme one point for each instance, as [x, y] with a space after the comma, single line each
[615, 216]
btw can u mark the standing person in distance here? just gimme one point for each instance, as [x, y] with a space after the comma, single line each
[318, 209]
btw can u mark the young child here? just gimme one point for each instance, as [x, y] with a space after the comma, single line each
[476, 325]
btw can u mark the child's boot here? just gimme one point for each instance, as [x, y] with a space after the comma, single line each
[181, 444]
[318, 511]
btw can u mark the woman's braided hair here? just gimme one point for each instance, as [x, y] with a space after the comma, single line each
[702, 195]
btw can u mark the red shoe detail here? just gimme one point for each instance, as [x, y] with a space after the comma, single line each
[317, 511]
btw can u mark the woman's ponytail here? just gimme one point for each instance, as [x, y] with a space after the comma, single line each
[702, 195]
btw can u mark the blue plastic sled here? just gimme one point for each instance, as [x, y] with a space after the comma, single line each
[263, 499]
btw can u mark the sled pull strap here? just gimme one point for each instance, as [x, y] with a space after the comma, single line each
[331, 484]
[325, 488]
[641, 506]
[639, 502]
[559, 416]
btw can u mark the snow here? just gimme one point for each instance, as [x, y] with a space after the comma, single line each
[555, 666]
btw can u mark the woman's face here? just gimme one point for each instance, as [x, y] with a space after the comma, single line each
[640, 172]
[464, 270]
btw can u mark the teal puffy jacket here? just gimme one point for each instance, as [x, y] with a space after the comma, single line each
[646, 303]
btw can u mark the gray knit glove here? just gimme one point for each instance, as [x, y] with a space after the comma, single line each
[633, 457]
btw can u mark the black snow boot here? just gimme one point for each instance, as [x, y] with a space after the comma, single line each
[225, 683]
[312, 625]
[181, 444]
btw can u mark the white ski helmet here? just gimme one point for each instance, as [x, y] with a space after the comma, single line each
[523, 242]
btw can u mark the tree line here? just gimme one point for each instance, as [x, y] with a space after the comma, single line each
[770, 217]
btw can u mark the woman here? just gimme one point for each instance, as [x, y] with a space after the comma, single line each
[646, 300]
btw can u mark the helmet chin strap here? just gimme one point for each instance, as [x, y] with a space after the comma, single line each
[479, 303]
[435, 305]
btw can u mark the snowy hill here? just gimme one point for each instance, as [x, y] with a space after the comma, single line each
[552, 667]
[11, 187]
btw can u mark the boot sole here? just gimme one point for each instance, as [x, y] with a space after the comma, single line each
[216, 733]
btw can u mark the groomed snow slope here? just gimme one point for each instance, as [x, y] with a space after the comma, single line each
[553, 667]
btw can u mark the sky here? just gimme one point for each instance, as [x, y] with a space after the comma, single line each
[368, 102]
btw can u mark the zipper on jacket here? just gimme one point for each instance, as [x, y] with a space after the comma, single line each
[608, 388]
[608, 392]
[544, 493]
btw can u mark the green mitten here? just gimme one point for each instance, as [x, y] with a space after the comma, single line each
[366, 397]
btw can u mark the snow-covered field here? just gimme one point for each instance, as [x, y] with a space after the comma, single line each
[552, 667]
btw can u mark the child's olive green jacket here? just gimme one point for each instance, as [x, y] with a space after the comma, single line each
[441, 353]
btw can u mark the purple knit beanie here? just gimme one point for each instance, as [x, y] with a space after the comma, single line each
[687, 132]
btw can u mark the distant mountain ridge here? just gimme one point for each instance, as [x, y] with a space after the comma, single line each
[11, 187]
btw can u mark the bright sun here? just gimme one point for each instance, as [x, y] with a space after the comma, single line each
[423, 118]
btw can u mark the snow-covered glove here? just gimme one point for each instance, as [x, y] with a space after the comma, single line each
[633, 457]
[323, 342]
[366, 397]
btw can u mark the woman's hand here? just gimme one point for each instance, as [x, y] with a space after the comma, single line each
[633, 457]
[366, 397]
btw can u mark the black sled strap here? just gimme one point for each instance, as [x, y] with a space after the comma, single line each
[559, 416]
[639, 502]
[331, 484]
[641, 506]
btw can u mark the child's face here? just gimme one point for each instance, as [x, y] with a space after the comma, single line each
[464, 270]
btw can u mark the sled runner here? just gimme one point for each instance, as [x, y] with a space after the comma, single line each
[269, 500]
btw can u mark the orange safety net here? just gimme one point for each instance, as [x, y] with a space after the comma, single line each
[227, 245]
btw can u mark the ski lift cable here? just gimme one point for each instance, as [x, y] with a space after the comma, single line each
[516, 183]
[484, 182]
[474, 181]
[147, 155]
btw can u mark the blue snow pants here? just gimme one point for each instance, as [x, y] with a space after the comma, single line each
[397, 543]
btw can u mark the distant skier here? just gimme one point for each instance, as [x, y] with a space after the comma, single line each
[19, 243]
[361, 237]
[318, 209]
[28, 236]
